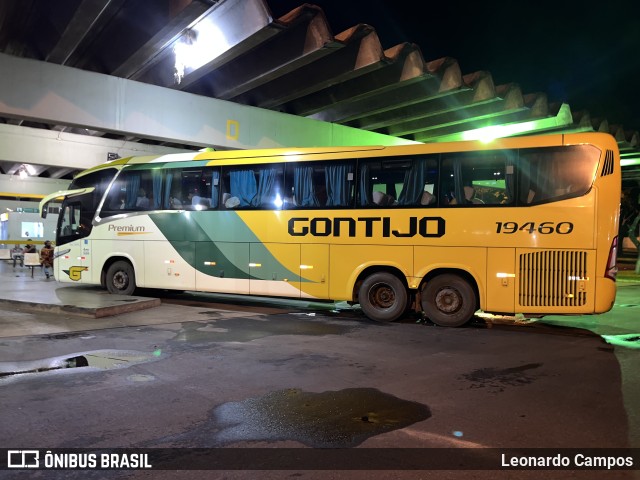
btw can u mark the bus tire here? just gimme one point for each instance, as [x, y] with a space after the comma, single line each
[448, 300]
[383, 297]
[121, 279]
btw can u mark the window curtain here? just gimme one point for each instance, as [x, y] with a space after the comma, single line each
[266, 186]
[545, 171]
[509, 178]
[243, 186]
[215, 182]
[304, 193]
[132, 185]
[337, 184]
[366, 196]
[414, 181]
[457, 181]
[166, 199]
[156, 177]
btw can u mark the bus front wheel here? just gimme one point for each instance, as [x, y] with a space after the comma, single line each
[121, 279]
[383, 297]
[448, 300]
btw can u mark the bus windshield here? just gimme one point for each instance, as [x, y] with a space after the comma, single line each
[78, 211]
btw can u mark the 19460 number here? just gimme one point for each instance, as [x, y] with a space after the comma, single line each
[545, 228]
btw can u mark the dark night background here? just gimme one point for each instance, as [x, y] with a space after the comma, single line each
[584, 53]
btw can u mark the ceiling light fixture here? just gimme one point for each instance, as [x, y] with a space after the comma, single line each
[197, 47]
[25, 171]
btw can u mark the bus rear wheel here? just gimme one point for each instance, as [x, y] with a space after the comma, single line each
[383, 297]
[121, 279]
[448, 300]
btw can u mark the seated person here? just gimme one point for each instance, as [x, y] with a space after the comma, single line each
[18, 255]
[469, 196]
[531, 195]
[196, 199]
[142, 201]
[231, 202]
[427, 198]
[382, 199]
[29, 248]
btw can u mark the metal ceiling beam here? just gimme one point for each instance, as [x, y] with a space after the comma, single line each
[505, 126]
[83, 53]
[37, 146]
[456, 111]
[302, 38]
[517, 115]
[85, 17]
[60, 95]
[339, 58]
[444, 78]
[403, 63]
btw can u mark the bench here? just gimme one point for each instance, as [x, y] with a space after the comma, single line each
[31, 260]
[5, 254]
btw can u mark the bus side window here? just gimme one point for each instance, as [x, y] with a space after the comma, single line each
[193, 190]
[269, 194]
[253, 187]
[397, 182]
[477, 178]
[557, 173]
[415, 182]
[239, 187]
[326, 184]
[339, 179]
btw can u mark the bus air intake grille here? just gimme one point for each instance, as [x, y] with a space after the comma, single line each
[607, 168]
[552, 278]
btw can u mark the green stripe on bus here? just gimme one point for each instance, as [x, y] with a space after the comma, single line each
[231, 254]
[168, 165]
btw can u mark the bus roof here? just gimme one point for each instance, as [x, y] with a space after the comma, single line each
[259, 156]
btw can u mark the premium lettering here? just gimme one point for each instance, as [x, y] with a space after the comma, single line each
[369, 226]
[125, 228]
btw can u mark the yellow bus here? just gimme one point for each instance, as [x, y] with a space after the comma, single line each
[518, 225]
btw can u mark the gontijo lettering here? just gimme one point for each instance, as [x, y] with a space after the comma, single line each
[370, 226]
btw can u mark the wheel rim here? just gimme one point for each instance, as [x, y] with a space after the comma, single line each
[448, 300]
[120, 280]
[381, 295]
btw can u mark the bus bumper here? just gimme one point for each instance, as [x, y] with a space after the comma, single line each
[605, 295]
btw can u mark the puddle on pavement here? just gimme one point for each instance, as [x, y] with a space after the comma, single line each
[64, 336]
[498, 379]
[247, 329]
[332, 419]
[96, 360]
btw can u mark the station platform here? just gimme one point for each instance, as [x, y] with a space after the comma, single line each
[20, 289]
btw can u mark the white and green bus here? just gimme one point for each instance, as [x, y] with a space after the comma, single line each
[519, 225]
